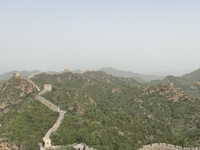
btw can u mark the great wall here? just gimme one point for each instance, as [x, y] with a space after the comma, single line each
[47, 141]
[163, 146]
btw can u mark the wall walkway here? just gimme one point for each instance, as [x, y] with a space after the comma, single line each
[47, 103]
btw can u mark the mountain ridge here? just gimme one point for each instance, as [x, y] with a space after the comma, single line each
[128, 74]
[193, 76]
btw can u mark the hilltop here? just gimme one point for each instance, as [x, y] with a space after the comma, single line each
[103, 111]
[8, 75]
[193, 76]
[128, 74]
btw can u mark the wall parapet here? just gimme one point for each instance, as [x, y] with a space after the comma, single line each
[164, 146]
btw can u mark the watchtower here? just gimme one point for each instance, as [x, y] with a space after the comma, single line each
[16, 74]
[48, 87]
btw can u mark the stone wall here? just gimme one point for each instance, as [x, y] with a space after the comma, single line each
[31, 82]
[163, 146]
[47, 139]
[37, 73]
[47, 103]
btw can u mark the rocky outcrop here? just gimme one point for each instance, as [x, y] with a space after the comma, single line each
[171, 91]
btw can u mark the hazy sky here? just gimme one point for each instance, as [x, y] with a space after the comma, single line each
[143, 36]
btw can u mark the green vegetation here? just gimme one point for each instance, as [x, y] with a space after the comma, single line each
[143, 118]
[107, 112]
[27, 124]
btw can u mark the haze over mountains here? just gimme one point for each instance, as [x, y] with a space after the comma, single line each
[142, 78]
[128, 74]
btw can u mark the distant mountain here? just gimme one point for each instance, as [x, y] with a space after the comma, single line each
[8, 75]
[193, 76]
[76, 71]
[127, 74]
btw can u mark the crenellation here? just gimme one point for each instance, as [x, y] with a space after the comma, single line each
[179, 147]
[146, 146]
[163, 146]
[155, 144]
[170, 146]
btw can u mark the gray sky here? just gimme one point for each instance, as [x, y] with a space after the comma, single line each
[141, 36]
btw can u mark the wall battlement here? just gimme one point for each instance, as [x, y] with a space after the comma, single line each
[163, 146]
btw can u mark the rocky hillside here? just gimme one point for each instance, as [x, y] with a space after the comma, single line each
[103, 111]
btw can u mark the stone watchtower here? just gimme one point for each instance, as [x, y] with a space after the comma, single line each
[66, 70]
[16, 75]
[48, 87]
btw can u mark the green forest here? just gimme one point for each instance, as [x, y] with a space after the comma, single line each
[103, 111]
